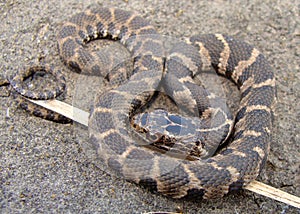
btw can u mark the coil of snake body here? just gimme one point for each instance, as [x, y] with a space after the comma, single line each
[232, 168]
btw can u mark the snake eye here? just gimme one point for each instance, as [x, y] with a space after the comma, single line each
[153, 137]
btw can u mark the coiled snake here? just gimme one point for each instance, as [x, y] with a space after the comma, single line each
[109, 122]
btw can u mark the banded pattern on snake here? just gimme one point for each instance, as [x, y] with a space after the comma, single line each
[109, 122]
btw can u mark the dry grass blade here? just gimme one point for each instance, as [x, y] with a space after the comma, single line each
[255, 186]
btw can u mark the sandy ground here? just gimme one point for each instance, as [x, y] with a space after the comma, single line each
[43, 167]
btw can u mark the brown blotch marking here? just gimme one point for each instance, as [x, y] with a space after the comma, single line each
[149, 183]
[139, 154]
[137, 22]
[68, 48]
[102, 122]
[66, 31]
[115, 165]
[170, 184]
[104, 14]
[115, 142]
[215, 192]
[121, 16]
[96, 69]
[182, 95]
[186, 61]
[84, 57]
[147, 30]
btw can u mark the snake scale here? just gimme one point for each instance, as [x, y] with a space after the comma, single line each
[113, 140]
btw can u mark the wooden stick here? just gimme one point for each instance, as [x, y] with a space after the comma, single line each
[81, 116]
[64, 109]
[271, 192]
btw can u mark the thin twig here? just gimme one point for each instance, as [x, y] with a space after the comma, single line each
[81, 116]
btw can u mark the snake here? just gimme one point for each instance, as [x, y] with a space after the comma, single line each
[129, 154]
[21, 93]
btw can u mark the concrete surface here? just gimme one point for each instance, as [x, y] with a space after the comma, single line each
[43, 168]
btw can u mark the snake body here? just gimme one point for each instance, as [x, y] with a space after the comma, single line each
[109, 122]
